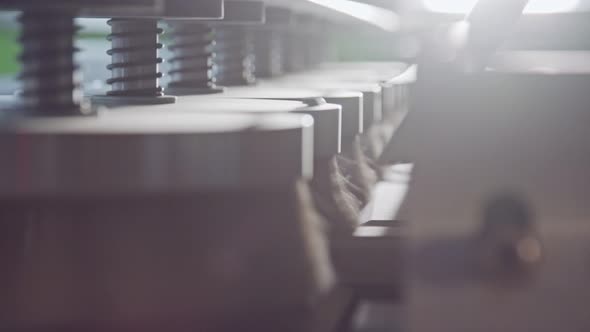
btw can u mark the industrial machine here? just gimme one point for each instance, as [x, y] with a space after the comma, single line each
[227, 171]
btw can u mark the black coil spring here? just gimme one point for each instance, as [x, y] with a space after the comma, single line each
[192, 65]
[50, 86]
[295, 51]
[134, 58]
[269, 49]
[317, 41]
[235, 60]
[325, 43]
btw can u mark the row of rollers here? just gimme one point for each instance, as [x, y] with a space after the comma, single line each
[130, 164]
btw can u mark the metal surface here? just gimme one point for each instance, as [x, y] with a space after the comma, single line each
[352, 112]
[120, 153]
[328, 128]
[273, 92]
[177, 262]
[475, 136]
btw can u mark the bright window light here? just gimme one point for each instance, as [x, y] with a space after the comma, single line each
[534, 6]
[382, 18]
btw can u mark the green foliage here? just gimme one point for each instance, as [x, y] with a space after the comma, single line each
[9, 51]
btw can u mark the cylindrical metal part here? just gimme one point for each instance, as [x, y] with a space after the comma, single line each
[311, 31]
[51, 83]
[352, 113]
[235, 56]
[353, 116]
[330, 185]
[294, 51]
[193, 63]
[135, 62]
[121, 222]
[269, 48]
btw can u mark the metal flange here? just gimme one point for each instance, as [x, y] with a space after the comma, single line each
[243, 12]
[91, 7]
[163, 9]
[350, 101]
[120, 153]
[372, 94]
[327, 117]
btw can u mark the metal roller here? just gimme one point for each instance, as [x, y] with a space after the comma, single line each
[330, 186]
[356, 174]
[383, 90]
[355, 163]
[193, 63]
[120, 221]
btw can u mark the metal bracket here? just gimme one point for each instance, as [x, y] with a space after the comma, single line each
[279, 17]
[164, 9]
[91, 7]
[243, 12]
